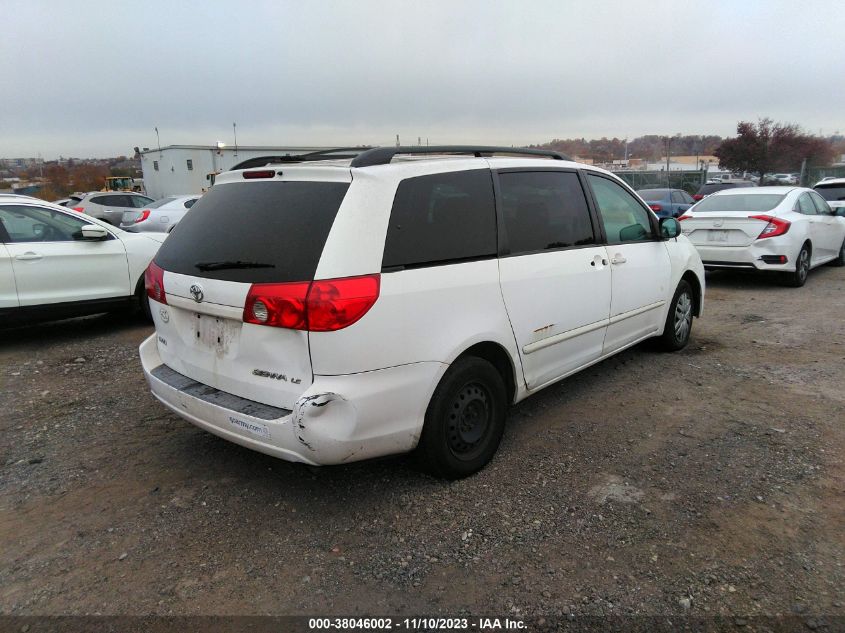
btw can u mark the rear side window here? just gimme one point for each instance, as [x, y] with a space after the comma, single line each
[262, 232]
[441, 218]
[544, 210]
[107, 201]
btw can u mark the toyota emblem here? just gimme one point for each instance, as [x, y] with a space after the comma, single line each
[196, 292]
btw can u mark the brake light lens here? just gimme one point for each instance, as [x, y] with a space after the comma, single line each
[655, 207]
[774, 226]
[263, 173]
[79, 209]
[684, 217]
[698, 197]
[338, 303]
[319, 306]
[144, 215]
[154, 283]
[277, 305]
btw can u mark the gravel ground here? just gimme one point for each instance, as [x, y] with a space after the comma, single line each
[706, 482]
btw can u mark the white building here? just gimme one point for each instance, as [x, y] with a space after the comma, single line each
[184, 169]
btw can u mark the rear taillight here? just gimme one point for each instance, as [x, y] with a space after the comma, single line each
[277, 305]
[154, 283]
[337, 303]
[80, 209]
[684, 217]
[144, 215]
[319, 306]
[698, 197]
[775, 226]
[655, 207]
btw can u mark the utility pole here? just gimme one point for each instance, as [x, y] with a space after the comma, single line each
[235, 130]
[158, 140]
[397, 140]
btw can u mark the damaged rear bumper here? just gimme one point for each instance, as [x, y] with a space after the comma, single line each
[338, 419]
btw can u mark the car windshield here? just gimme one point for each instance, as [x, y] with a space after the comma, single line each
[747, 202]
[831, 193]
[653, 195]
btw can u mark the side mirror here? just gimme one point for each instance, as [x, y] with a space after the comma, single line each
[669, 228]
[92, 232]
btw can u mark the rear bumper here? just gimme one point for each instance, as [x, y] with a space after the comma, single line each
[748, 257]
[338, 419]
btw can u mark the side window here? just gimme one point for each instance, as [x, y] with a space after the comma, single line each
[36, 224]
[677, 197]
[139, 202]
[805, 205]
[190, 164]
[544, 210]
[442, 218]
[821, 204]
[623, 218]
[106, 201]
[155, 165]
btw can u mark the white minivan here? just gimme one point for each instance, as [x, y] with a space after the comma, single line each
[332, 311]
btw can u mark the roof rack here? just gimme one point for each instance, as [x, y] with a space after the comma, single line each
[383, 155]
[337, 153]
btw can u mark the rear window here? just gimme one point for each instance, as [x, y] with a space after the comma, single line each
[653, 195]
[753, 203]
[278, 227]
[442, 218]
[831, 193]
[161, 202]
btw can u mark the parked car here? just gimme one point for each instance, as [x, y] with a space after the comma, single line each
[159, 216]
[356, 309]
[667, 203]
[788, 230]
[706, 189]
[783, 179]
[109, 206]
[56, 263]
[833, 191]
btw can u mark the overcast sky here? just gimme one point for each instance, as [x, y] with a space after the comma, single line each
[93, 78]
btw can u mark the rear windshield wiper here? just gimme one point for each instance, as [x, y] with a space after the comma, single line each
[226, 265]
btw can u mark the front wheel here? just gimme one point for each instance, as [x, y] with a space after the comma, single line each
[464, 421]
[678, 326]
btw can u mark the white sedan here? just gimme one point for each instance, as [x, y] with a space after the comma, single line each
[57, 263]
[159, 216]
[784, 229]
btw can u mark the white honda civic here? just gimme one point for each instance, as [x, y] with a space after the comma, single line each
[783, 229]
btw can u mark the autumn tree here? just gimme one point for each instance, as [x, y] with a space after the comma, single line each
[767, 147]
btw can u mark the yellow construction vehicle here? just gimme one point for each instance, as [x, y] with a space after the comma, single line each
[123, 183]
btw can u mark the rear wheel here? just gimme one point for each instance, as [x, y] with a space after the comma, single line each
[464, 420]
[802, 268]
[678, 326]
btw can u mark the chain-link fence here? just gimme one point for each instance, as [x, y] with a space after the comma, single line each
[689, 181]
[813, 174]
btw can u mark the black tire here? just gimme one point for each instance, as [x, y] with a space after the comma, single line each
[464, 421]
[802, 268]
[144, 304]
[840, 260]
[678, 326]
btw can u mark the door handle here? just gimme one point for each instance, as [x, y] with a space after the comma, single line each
[28, 256]
[618, 259]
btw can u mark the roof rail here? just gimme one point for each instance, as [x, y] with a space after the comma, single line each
[337, 153]
[383, 155]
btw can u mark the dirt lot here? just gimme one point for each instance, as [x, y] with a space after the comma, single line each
[704, 482]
